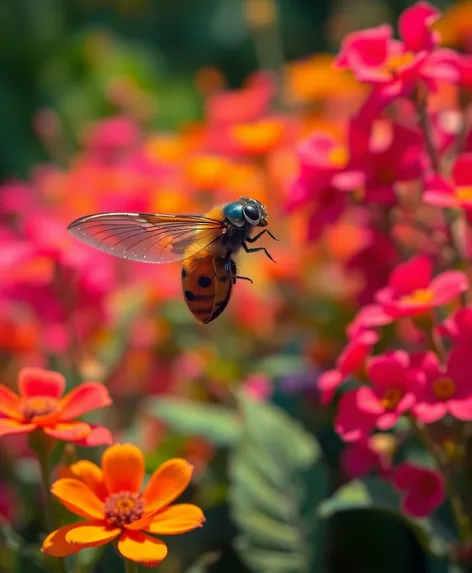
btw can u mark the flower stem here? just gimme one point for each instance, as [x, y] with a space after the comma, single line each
[131, 566]
[460, 516]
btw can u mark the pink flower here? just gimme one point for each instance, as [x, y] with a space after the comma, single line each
[391, 393]
[375, 57]
[455, 191]
[258, 386]
[414, 27]
[108, 139]
[353, 423]
[444, 389]
[458, 327]
[368, 455]
[411, 289]
[424, 489]
[350, 361]
[382, 154]
[393, 66]
[321, 157]
[369, 316]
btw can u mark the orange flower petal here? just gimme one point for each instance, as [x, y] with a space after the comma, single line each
[167, 483]
[176, 519]
[69, 431]
[39, 382]
[82, 399]
[56, 545]
[91, 534]
[10, 403]
[78, 498]
[123, 468]
[14, 427]
[89, 474]
[143, 549]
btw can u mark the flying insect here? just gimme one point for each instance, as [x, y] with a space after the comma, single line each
[206, 244]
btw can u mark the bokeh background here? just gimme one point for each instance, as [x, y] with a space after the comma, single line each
[159, 105]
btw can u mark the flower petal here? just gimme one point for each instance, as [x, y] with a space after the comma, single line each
[78, 498]
[39, 382]
[167, 483]
[14, 427]
[10, 403]
[56, 545]
[143, 549]
[176, 519]
[99, 436]
[123, 468]
[70, 432]
[82, 399]
[89, 474]
[90, 534]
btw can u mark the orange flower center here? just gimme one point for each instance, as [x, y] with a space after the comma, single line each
[419, 296]
[391, 398]
[399, 61]
[123, 507]
[338, 156]
[38, 406]
[464, 193]
[444, 388]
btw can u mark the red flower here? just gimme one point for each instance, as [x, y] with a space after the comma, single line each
[412, 289]
[392, 390]
[40, 405]
[424, 489]
[458, 327]
[350, 361]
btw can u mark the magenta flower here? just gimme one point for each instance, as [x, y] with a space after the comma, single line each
[369, 316]
[353, 423]
[350, 361]
[368, 455]
[375, 57]
[444, 389]
[455, 191]
[392, 390]
[412, 289]
[458, 327]
[393, 66]
[424, 489]
[382, 154]
[321, 157]
[414, 27]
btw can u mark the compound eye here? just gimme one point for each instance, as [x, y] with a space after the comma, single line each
[251, 214]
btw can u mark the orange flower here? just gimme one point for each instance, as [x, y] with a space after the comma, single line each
[40, 406]
[109, 498]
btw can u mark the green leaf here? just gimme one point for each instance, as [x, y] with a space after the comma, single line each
[378, 495]
[202, 563]
[279, 365]
[277, 482]
[218, 424]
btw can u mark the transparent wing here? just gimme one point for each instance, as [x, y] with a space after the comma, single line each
[146, 237]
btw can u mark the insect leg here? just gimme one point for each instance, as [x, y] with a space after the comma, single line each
[259, 235]
[239, 277]
[256, 249]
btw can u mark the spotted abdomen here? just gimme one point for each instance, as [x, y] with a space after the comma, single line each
[206, 286]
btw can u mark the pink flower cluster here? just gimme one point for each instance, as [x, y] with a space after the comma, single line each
[400, 170]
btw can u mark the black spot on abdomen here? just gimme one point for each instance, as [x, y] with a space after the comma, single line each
[204, 282]
[184, 272]
[189, 295]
